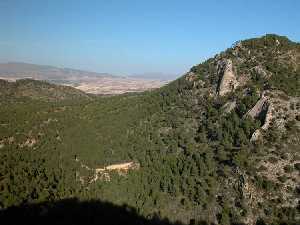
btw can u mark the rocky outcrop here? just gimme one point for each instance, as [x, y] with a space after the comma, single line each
[30, 142]
[273, 109]
[229, 106]
[261, 72]
[190, 76]
[228, 81]
[261, 111]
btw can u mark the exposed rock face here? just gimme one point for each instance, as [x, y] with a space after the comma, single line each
[256, 136]
[261, 72]
[190, 76]
[229, 106]
[273, 109]
[228, 79]
[261, 111]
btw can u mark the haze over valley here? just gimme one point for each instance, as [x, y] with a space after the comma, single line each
[89, 82]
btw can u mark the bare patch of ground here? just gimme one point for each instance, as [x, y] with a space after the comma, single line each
[103, 173]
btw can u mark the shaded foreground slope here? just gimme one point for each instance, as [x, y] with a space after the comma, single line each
[74, 212]
[193, 139]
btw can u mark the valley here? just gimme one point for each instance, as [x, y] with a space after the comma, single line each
[89, 82]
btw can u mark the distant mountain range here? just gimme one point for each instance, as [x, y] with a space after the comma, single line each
[90, 82]
[43, 72]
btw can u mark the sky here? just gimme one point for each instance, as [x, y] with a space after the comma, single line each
[128, 37]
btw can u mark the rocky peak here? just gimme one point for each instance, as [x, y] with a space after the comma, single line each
[269, 66]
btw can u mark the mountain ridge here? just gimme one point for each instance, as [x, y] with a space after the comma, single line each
[21, 67]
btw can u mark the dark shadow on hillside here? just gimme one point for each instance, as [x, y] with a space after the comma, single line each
[74, 212]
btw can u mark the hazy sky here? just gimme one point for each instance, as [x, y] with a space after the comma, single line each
[131, 37]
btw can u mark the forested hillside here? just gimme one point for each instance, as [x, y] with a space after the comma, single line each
[220, 145]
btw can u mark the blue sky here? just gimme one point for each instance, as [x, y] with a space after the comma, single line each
[132, 37]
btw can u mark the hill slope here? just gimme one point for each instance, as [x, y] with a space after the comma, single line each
[220, 145]
[34, 89]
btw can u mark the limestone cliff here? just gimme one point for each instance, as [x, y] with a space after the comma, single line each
[273, 109]
[228, 81]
